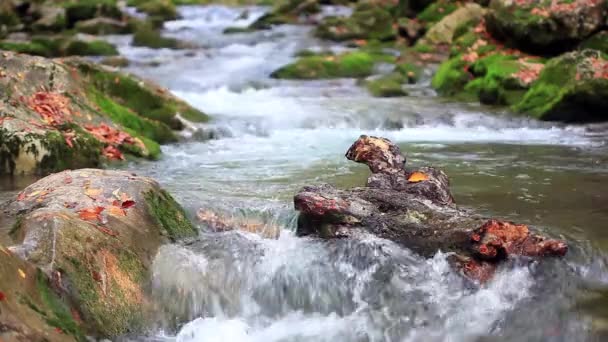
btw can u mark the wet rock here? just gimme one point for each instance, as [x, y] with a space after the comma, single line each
[287, 12]
[571, 88]
[116, 61]
[94, 233]
[353, 64]
[414, 208]
[387, 86]
[598, 41]
[61, 114]
[52, 18]
[148, 36]
[545, 27]
[410, 29]
[368, 21]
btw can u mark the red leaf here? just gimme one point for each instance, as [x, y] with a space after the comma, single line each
[113, 153]
[128, 204]
[21, 196]
[91, 214]
[2, 296]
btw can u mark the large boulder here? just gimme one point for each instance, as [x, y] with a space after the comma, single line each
[545, 27]
[94, 233]
[414, 208]
[571, 88]
[62, 114]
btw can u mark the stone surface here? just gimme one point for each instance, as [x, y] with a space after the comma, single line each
[94, 233]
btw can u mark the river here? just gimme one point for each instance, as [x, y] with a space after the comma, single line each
[272, 137]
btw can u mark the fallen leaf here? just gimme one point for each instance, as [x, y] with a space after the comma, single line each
[128, 204]
[116, 211]
[417, 176]
[2, 296]
[93, 193]
[67, 180]
[21, 196]
[91, 214]
[21, 273]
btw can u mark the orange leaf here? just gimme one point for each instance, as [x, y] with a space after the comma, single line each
[128, 204]
[417, 176]
[107, 231]
[93, 193]
[21, 196]
[91, 214]
[21, 273]
[116, 211]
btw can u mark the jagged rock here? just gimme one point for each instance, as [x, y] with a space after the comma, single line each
[94, 233]
[415, 209]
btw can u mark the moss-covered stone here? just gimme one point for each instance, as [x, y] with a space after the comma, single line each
[88, 9]
[103, 26]
[545, 27]
[90, 48]
[366, 22]
[436, 11]
[169, 215]
[354, 64]
[103, 261]
[387, 86]
[451, 77]
[462, 18]
[148, 36]
[163, 10]
[598, 41]
[410, 71]
[572, 88]
[285, 12]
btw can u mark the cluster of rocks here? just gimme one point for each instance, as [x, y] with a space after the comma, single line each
[547, 59]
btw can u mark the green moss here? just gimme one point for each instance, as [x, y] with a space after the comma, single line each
[421, 47]
[411, 71]
[169, 215]
[355, 64]
[92, 48]
[149, 36]
[60, 316]
[163, 10]
[436, 11]
[367, 22]
[387, 86]
[235, 30]
[89, 9]
[151, 129]
[451, 77]
[598, 41]
[30, 48]
[143, 100]
[86, 151]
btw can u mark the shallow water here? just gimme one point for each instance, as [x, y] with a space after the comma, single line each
[276, 136]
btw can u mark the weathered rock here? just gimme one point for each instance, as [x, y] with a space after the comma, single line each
[367, 22]
[443, 31]
[415, 209]
[572, 88]
[545, 27]
[61, 114]
[95, 233]
[52, 18]
[29, 309]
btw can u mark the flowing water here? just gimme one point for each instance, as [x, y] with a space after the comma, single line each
[272, 137]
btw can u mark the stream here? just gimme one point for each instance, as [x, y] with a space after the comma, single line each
[271, 137]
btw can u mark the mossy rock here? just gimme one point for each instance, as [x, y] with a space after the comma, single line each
[31, 308]
[88, 9]
[443, 31]
[436, 11]
[162, 10]
[285, 12]
[354, 64]
[387, 86]
[538, 28]
[148, 36]
[106, 259]
[598, 41]
[90, 48]
[571, 88]
[366, 22]
[451, 77]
